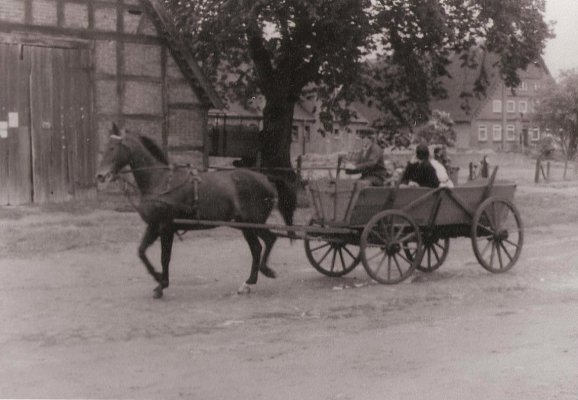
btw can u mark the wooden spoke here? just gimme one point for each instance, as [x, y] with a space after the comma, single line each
[499, 255]
[321, 247]
[326, 254]
[397, 265]
[506, 251]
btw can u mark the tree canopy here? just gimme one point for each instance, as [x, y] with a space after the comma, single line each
[388, 52]
[557, 111]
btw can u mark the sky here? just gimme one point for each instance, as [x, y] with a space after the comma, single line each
[562, 52]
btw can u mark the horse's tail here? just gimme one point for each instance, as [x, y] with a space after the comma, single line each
[287, 198]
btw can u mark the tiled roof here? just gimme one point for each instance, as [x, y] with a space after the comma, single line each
[462, 102]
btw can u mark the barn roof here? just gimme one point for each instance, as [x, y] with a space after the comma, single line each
[182, 54]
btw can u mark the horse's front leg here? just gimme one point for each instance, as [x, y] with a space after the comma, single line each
[167, 236]
[150, 236]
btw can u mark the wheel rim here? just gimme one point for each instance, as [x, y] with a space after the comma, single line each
[497, 235]
[390, 247]
[332, 256]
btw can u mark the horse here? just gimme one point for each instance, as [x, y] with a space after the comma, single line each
[167, 193]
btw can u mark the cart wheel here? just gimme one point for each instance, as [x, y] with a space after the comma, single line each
[435, 251]
[391, 246]
[332, 256]
[497, 235]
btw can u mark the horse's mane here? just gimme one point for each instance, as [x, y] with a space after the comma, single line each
[153, 148]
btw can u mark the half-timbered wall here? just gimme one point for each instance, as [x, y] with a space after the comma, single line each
[131, 77]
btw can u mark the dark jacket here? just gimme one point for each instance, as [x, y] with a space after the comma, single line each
[422, 173]
[370, 164]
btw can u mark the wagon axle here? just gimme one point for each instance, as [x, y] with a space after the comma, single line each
[501, 235]
[392, 248]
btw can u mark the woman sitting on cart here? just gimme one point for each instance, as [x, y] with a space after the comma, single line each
[420, 172]
[369, 162]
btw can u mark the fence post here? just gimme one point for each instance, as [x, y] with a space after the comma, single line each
[299, 166]
[485, 167]
[538, 167]
[548, 171]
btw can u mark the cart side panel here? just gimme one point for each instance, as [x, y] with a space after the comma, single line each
[332, 200]
[373, 200]
[451, 213]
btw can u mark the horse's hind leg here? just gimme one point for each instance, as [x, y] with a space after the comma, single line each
[269, 239]
[255, 247]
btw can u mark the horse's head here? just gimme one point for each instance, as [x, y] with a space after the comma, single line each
[116, 155]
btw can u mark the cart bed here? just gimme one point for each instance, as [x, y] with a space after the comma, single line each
[372, 200]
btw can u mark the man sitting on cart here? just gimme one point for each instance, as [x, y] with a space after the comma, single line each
[369, 162]
[420, 172]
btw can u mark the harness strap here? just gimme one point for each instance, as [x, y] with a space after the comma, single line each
[192, 176]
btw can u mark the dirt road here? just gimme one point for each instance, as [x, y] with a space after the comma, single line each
[79, 320]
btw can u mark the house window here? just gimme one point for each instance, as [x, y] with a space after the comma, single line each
[523, 86]
[336, 132]
[537, 86]
[523, 106]
[511, 106]
[497, 106]
[482, 133]
[510, 133]
[497, 133]
[535, 134]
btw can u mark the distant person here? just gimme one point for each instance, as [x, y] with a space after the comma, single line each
[421, 172]
[440, 162]
[369, 162]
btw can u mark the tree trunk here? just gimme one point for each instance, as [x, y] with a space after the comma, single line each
[571, 151]
[276, 137]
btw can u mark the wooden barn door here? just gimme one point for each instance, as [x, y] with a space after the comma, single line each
[15, 149]
[46, 148]
[62, 148]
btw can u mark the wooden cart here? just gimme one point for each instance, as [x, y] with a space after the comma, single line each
[394, 230]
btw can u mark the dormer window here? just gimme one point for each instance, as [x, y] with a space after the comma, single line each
[523, 86]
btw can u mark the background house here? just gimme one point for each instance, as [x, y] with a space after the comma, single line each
[68, 69]
[502, 118]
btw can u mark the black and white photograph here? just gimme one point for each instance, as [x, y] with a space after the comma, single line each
[289, 199]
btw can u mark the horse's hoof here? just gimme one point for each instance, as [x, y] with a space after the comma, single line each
[157, 293]
[244, 289]
[268, 272]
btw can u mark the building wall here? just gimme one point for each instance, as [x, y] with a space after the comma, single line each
[519, 107]
[135, 80]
